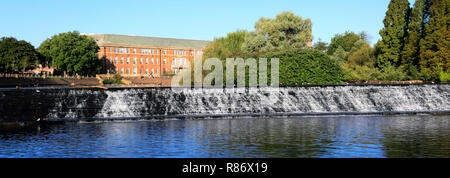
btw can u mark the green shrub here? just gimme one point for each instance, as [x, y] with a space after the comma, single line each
[167, 74]
[362, 73]
[444, 77]
[307, 66]
[391, 73]
[116, 79]
[108, 81]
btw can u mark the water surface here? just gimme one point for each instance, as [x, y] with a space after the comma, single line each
[291, 137]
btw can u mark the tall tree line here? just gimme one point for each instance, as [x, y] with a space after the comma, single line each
[416, 40]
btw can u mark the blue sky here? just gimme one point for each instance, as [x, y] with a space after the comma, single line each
[37, 20]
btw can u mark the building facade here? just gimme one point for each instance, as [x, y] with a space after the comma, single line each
[137, 56]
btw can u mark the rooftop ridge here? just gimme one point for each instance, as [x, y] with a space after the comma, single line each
[140, 36]
[148, 40]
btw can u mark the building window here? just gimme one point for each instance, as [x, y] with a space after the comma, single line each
[153, 61]
[115, 60]
[128, 60]
[179, 52]
[165, 51]
[165, 61]
[121, 50]
[147, 51]
[134, 60]
[153, 71]
[134, 70]
[146, 60]
[146, 71]
[134, 50]
[121, 70]
[141, 71]
[157, 61]
[128, 70]
[121, 60]
[140, 61]
[174, 61]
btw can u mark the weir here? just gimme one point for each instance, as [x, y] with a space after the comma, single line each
[76, 104]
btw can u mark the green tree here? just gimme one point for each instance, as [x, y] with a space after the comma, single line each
[345, 41]
[73, 53]
[420, 15]
[435, 47]
[226, 47]
[307, 66]
[17, 55]
[286, 31]
[321, 46]
[362, 55]
[394, 33]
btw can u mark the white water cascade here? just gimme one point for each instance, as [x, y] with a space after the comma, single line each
[142, 102]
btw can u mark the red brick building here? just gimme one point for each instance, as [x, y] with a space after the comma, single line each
[137, 55]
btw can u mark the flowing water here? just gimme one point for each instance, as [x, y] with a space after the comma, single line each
[266, 134]
[57, 104]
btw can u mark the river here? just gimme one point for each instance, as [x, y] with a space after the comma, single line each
[406, 136]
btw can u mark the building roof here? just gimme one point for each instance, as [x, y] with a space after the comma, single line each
[141, 41]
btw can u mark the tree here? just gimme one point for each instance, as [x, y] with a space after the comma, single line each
[346, 41]
[286, 31]
[362, 55]
[17, 55]
[321, 46]
[226, 47]
[72, 52]
[420, 15]
[394, 33]
[435, 47]
[307, 66]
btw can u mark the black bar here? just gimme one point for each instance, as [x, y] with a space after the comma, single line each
[275, 167]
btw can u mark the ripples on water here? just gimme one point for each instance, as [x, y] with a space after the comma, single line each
[343, 137]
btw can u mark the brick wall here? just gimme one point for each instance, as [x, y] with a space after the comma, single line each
[132, 64]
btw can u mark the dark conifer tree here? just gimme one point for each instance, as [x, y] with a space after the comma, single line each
[419, 17]
[394, 33]
[435, 48]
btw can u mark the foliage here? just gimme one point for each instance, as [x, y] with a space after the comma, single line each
[391, 73]
[307, 66]
[416, 33]
[394, 33]
[226, 47]
[286, 31]
[17, 55]
[444, 77]
[321, 46]
[361, 73]
[435, 47]
[362, 54]
[116, 79]
[345, 41]
[72, 52]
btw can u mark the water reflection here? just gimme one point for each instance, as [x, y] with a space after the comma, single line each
[347, 137]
